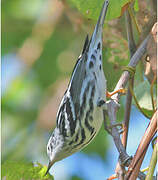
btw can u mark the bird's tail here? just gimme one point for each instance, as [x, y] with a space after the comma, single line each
[99, 26]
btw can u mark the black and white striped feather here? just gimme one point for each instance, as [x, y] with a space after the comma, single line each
[79, 117]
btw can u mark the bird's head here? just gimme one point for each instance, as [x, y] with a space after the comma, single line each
[55, 148]
[50, 153]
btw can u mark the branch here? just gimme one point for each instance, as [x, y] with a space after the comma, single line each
[134, 167]
[113, 103]
[132, 48]
[133, 63]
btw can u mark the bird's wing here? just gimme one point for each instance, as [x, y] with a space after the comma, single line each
[74, 88]
[78, 74]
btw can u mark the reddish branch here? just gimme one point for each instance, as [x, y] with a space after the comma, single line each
[134, 167]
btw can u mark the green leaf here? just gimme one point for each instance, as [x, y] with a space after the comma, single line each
[91, 8]
[13, 170]
[136, 7]
[75, 178]
[16, 99]
[47, 68]
[111, 72]
[148, 112]
[21, 9]
[142, 93]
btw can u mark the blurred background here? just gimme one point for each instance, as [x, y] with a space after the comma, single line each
[41, 41]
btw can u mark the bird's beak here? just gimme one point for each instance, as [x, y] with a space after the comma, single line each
[49, 166]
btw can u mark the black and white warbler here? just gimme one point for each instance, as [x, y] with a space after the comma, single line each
[80, 113]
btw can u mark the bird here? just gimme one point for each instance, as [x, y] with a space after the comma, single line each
[80, 113]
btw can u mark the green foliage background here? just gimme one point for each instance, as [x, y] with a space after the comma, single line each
[46, 38]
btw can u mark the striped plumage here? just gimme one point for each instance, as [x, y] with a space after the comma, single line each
[80, 113]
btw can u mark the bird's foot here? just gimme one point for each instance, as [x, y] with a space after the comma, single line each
[122, 91]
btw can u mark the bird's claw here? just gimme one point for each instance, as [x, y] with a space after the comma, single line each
[122, 91]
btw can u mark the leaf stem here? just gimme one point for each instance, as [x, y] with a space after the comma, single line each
[153, 162]
[151, 92]
[134, 19]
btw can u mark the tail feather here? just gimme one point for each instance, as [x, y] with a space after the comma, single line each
[99, 26]
[85, 44]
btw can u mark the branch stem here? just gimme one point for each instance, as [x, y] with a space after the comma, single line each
[152, 163]
[132, 48]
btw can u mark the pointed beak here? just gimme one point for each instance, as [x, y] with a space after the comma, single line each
[49, 166]
[99, 25]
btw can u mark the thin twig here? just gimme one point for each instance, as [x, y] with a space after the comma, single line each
[134, 19]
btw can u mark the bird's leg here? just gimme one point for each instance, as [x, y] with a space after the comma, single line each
[121, 91]
[101, 103]
[108, 127]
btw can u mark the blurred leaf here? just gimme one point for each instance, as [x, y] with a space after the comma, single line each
[14, 33]
[112, 70]
[22, 95]
[120, 113]
[136, 6]
[13, 170]
[75, 178]
[21, 9]
[139, 74]
[46, 67]
[91, 8]
[148, 112]
[15, 29]
[142, 92]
